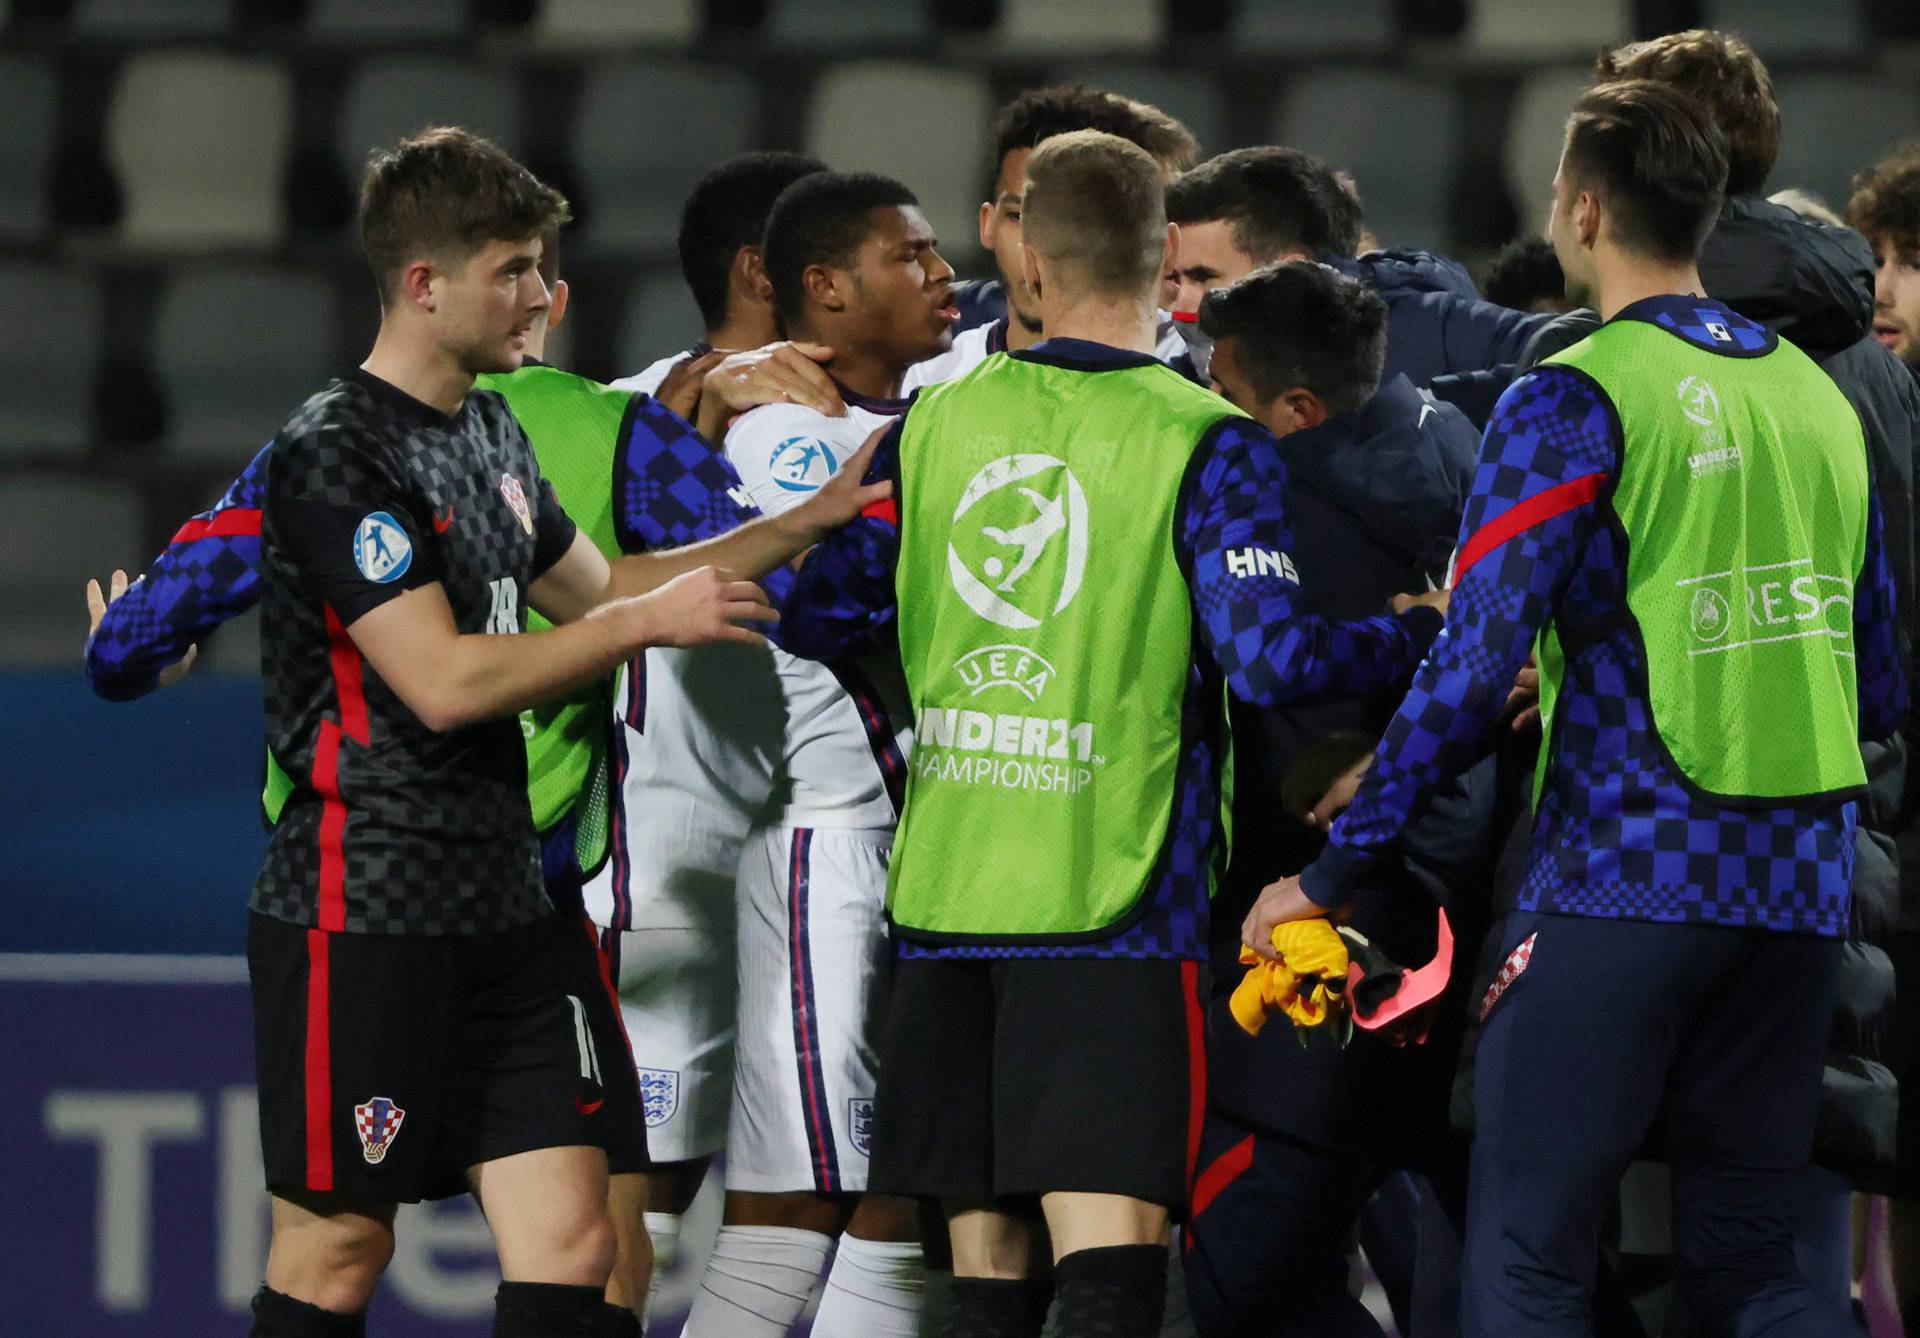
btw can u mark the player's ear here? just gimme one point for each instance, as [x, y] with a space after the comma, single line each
[1030, 271]
[750, 272]
[1586, 217]
[415, 285]
[822, 286]
[1307, 408]
[986, 226]
[557, 303]
[1172, 260]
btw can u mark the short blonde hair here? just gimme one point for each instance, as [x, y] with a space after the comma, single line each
[1096, 206]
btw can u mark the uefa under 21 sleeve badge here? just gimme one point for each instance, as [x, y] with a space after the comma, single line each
[381, 549]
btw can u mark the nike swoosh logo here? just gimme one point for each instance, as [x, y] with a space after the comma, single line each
[588, 1107]
[443, 521]
[1425, 409]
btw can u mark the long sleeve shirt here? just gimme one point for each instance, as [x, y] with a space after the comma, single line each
[1617, 833]
[1248, 632]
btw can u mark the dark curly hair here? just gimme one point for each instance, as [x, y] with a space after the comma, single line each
[1886, 199]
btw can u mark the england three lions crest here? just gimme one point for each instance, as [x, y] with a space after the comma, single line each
[860, 1124]
[377, 1121]
[659, 1095]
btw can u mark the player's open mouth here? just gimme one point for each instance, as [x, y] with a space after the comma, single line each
[1889, 334]
[950, 314]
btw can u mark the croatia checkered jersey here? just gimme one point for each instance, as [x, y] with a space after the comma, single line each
[1248, 634]
[1617, 834]
[209, 572]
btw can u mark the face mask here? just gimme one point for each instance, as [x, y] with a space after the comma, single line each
[1199, 344]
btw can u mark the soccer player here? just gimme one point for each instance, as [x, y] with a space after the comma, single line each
[1298, 1135]
[853, 267]
[1253, 207]
[1886, 208]
[400, 924]
[1001, 314]
[1086, 546]
[1677, 508]
[696, 735]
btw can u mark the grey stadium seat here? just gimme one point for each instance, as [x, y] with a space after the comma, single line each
[1536, 128]
[643, 135]
[29, 110]
[384, 20]
[856, 124]
[1833, 125]
[200, 142]
[596, 25]
[1528, 29]
[238, 348]
[53, 346]
[1786, 28]
[56, 531]
[1396, 133]
[1039, 26]
[660, 318]
[844, 24]
[1197, 100]
[151, 18]
[1312, 27]
[394, 96]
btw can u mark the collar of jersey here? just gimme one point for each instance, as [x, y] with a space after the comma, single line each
[1679, 315]
[889, 407]
[1083, 355]
[397, 399]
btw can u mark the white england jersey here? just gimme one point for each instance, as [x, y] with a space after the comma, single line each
[846, 730]
[697, 741]
[647, 381]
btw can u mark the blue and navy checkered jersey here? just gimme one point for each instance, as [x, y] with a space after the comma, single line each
[209, 572]
[1248, 634]
[1617, 834]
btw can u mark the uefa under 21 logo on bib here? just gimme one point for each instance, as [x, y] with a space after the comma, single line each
[802, 464]
[1017, 551]
[381, 549]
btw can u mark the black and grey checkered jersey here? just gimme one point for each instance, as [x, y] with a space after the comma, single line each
[392, 828]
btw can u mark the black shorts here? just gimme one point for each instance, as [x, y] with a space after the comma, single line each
[1031, 1076]
[389, 1064]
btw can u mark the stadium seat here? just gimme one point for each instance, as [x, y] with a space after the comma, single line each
[385, 20]
[1303, 27]
[847, 24]
[238, 347]
[395, 96]
[1198, 100]
[1529, 29]
[1361, 120]
[29, 110]
[1536, 127]
[594, 24]
[199, 142]
[1783, 29]
[660, 318]
[53, 345]
[1833, 125]
[148, 18]
[1046, 26]
[643, 134]
[925, 124]
[56, 531]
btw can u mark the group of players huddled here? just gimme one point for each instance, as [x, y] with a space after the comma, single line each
[967, 751]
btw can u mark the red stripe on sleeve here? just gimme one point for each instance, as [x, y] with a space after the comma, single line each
[887, 510]
[319, 1063]
[347, 682]
[1523, 516]
[239, 522]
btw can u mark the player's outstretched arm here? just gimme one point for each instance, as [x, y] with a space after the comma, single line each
[761, 545]
[449, 679]
[126, 687]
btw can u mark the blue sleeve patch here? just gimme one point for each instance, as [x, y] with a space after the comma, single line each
[802, 464]
[381, 549]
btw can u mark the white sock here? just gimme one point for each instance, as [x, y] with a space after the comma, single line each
[663, 1229]
[758, 1281]
[875, 1287]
